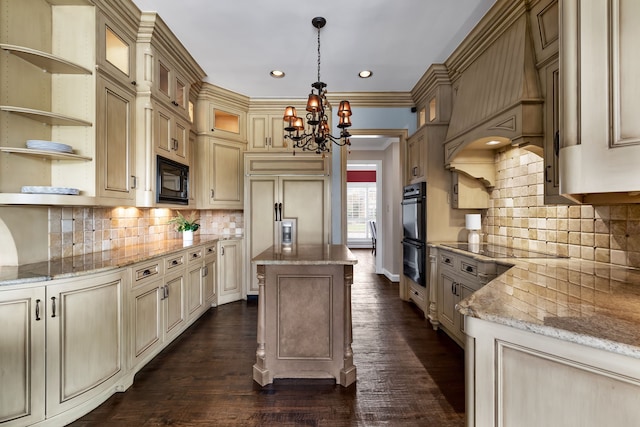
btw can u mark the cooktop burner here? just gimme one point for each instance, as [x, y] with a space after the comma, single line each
[497, 251]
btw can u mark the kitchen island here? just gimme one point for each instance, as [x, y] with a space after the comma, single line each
[304, 314]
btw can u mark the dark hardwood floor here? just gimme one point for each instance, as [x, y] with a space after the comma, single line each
[408, 374]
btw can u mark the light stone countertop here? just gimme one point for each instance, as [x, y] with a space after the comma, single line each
[584, 302]
[99, 261]
[307, 255]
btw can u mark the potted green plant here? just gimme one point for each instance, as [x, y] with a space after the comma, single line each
[186, 226]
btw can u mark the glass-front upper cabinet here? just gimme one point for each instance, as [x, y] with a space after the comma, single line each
[171, 86]
[116, 51]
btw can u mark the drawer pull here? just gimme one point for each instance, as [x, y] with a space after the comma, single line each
[146, 272]
[174, 262]
[469, 269]
[447, 261]
[195, 255]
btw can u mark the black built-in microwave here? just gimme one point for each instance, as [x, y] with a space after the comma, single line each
[172, 185]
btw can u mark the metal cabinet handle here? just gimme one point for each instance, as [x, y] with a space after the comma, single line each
[135, 181]
[166, 291]
[195, 255]
[174, 262]
[174, 103]
[146, 272]
[134, 83]
[212, 193]
[222, 251]
[447, 261]
[546, 173]
[53, 306]
[455, 188]
[414, 171]
[37, 309]
[469, 268]
[205, 271]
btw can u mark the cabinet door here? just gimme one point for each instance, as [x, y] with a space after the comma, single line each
[116, 50]
[114, 148]
[229, 271]
[84, 339]
[258, 132]
[262, 195]
[210, 281]
[225, 175]
[180, 143]
[552, 135]
[277, 141]
[174, 316]
[163, 131]
[22, 356]
[447, 301]
[415, 163]
[600, 130]
[306, 200]
[195, 291]
[145, 322]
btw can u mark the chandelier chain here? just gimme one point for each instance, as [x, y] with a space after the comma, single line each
[319, 54]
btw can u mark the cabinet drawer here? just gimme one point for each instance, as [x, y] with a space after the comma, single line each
[143, 274]
[469, 268]
[447, 260]
[210, 251]
[174, 262]
[418, 294]
[195, 255]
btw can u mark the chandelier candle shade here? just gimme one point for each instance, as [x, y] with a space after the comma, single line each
[315, 134]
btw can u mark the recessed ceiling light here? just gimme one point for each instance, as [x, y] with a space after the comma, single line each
[277, 74]
[493, 142]
[365, 74]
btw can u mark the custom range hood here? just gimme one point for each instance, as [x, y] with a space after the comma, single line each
[496, 99]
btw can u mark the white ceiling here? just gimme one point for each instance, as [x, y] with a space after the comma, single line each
[238, 42]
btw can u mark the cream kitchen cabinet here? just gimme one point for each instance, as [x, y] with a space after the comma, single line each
[174, 316]
[195, 284]
[116, 46]
[266, 132]
[468, 192]
[114, 141]
[302, 199]
[514, 377]
[220, 173]
[416, 149]
[229, 276]
[171, 135]
[22, 340]
[84, 339]
[170, 86]
[221, 113]
[209, 275]
[599, 128]
[144, 302]
[458, 277]
[79, 322]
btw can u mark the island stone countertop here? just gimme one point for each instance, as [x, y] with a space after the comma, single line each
[307, 255]
[99, 261]
[585, 302]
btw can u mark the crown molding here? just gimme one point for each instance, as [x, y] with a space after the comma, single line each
[436, 75]
[221, 95]
[492, 25]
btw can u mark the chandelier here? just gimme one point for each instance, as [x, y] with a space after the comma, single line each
[315, 135]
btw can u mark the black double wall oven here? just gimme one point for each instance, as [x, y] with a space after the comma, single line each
[414, 206]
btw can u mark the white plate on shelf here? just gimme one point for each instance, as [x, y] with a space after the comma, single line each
[37, 189]
[36, 144]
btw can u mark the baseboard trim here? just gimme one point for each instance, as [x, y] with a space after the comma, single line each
[391, 276]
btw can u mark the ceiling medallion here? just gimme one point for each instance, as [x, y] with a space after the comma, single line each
[314, 135]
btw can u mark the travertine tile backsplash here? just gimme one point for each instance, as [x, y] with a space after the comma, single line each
[518, 217]
[79, 231]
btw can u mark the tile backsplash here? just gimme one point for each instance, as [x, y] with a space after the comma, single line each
[82, 230]
[518, 217]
